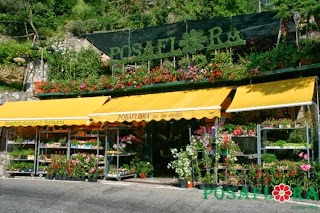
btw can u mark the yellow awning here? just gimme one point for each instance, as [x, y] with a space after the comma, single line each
[163, 106]
[277, 94]
[68, 111]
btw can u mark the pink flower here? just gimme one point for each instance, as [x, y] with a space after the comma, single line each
[305, 167]
[301, 154]
[92, 170]
[305, 156]
[83, 85]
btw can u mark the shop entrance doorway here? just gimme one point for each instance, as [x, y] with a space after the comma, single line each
[168, 135]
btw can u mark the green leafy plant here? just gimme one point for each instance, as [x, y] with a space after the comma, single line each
[268, 158]
[280, 143]
[145, 167]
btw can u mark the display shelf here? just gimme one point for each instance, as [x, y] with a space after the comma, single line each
[122, 154]
[23, 143]
[250, 156]
[19, 172]
[283, 128]
[283, 147]
[100, 148]
[63, 147]
[88, 136]
[20, 149]
[244, 136]
[16, 159]
[52, 142]
[116, 158]
[262, 140]
[55, 131]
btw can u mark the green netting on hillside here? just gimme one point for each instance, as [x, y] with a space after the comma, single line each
[127, 43]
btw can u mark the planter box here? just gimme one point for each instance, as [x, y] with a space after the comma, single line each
[46, 159]
[74, 146]
[86, 146]
[56, 145]
[30, 157]
[49, 145]
[81, 146]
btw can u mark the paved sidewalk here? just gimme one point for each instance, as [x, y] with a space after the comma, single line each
[154, 180]
[157, 180]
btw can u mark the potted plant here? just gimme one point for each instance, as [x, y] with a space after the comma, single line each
[19, 140]
[74, 144]
[145, 169]
[208, 181]
[268, 159]
[285, 123]
[50, 143]
[29, 153]
[269, 123]
[93, 174]
[63, 141]
[15, 154]
[182, 165]
[41, 168]
[87, 145]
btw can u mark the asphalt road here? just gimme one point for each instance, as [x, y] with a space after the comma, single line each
[39, 195]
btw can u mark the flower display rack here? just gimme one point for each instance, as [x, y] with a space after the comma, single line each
[20, 152]
[118, 152]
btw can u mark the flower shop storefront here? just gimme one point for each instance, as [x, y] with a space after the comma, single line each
[53, 137]
[156, 112]
[71, 136]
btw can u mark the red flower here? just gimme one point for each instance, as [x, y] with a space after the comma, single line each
[281, 192]
[259, 173]
[293, 173]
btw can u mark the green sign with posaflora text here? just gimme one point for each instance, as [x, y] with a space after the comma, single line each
[190, 43]
[281, 193]
[187, 37]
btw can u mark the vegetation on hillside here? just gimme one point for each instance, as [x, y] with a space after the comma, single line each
[46, 18]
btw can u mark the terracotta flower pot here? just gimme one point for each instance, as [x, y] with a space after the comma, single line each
[189, 184]
[143, 175]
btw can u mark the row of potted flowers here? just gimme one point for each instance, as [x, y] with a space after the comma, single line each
[20, 167]
[135, 78]
[80, 166]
